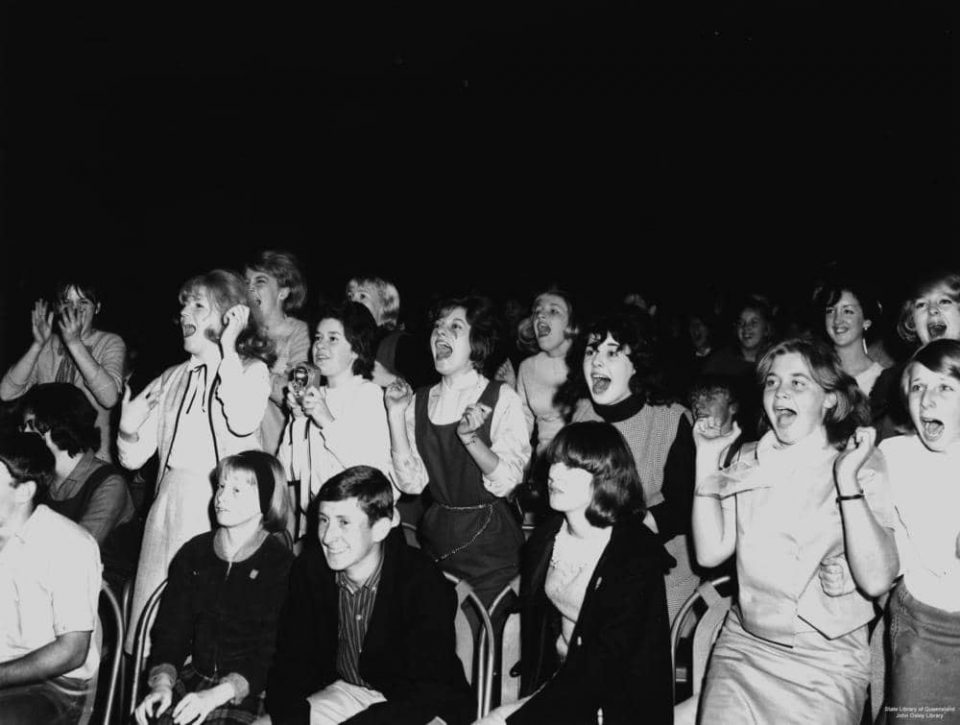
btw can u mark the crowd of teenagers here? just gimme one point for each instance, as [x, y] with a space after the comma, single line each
[610, 462]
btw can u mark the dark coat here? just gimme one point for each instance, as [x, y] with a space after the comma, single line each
[224, 615]
[409, 652]
[619, 658]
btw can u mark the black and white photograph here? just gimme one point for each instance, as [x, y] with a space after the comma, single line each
[429, 363]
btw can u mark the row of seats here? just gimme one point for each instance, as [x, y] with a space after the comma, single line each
[483, 653]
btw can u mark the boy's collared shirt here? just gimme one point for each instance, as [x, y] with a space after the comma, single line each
[50, 579]
[355, 609]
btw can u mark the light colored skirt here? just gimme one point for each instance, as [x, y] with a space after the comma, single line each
[753, 680]
[180, 511]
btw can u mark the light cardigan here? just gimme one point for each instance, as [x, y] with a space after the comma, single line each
[236, 401]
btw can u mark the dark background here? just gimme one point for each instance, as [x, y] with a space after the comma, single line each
[609, 145]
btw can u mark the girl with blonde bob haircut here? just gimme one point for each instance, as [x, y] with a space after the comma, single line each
[221, 606]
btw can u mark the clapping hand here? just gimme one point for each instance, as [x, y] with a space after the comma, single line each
[41, 322]
[70, 324]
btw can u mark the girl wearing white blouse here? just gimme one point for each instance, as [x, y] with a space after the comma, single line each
[924, 471]
[342, 423]
[207, 407]
[466, 437]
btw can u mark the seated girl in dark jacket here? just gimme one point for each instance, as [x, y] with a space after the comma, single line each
[594, 612]
[224, 592]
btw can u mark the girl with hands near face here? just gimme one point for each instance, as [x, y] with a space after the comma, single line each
[195, 413]
[41, 322]
[221, 604]
[466, 436]
[67, 348]
[341, 423]
[810, 491]
[924, 469]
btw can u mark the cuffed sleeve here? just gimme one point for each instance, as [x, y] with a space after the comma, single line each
[510, 441]
[409, 469]
[241, 688]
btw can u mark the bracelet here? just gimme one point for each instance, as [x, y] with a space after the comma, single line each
[851, 497]
[473, 439]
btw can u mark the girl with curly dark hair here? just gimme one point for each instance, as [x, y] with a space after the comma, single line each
[616, 376]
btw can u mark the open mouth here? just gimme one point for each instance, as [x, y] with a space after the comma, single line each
[784, 416]
[441, 351]
[936, 329]
[187, 329]
[599, 384]
[931, 428]
[543, 329]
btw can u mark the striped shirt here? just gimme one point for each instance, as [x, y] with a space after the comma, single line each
[355, 608]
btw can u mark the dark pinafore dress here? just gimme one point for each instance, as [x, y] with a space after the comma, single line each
[468, 531]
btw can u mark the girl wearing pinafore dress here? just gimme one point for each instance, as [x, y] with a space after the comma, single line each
[195, 413]
[471, 446]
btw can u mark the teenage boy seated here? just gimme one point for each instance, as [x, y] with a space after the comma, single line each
[367, 634]
[49, 590]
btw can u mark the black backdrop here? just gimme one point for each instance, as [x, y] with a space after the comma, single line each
[606, 144]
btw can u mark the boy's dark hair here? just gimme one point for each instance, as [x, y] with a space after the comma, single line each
[367, 484]
[27, 458]
[64, 411]
[710, 385]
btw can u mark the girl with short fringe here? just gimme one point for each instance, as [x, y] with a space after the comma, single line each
[67, 347]
[595, 633]
[341, 423]
[192, 415]
[222, 603]
[811, 491]
[924, 609]
[930, 312]
[466, 438]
